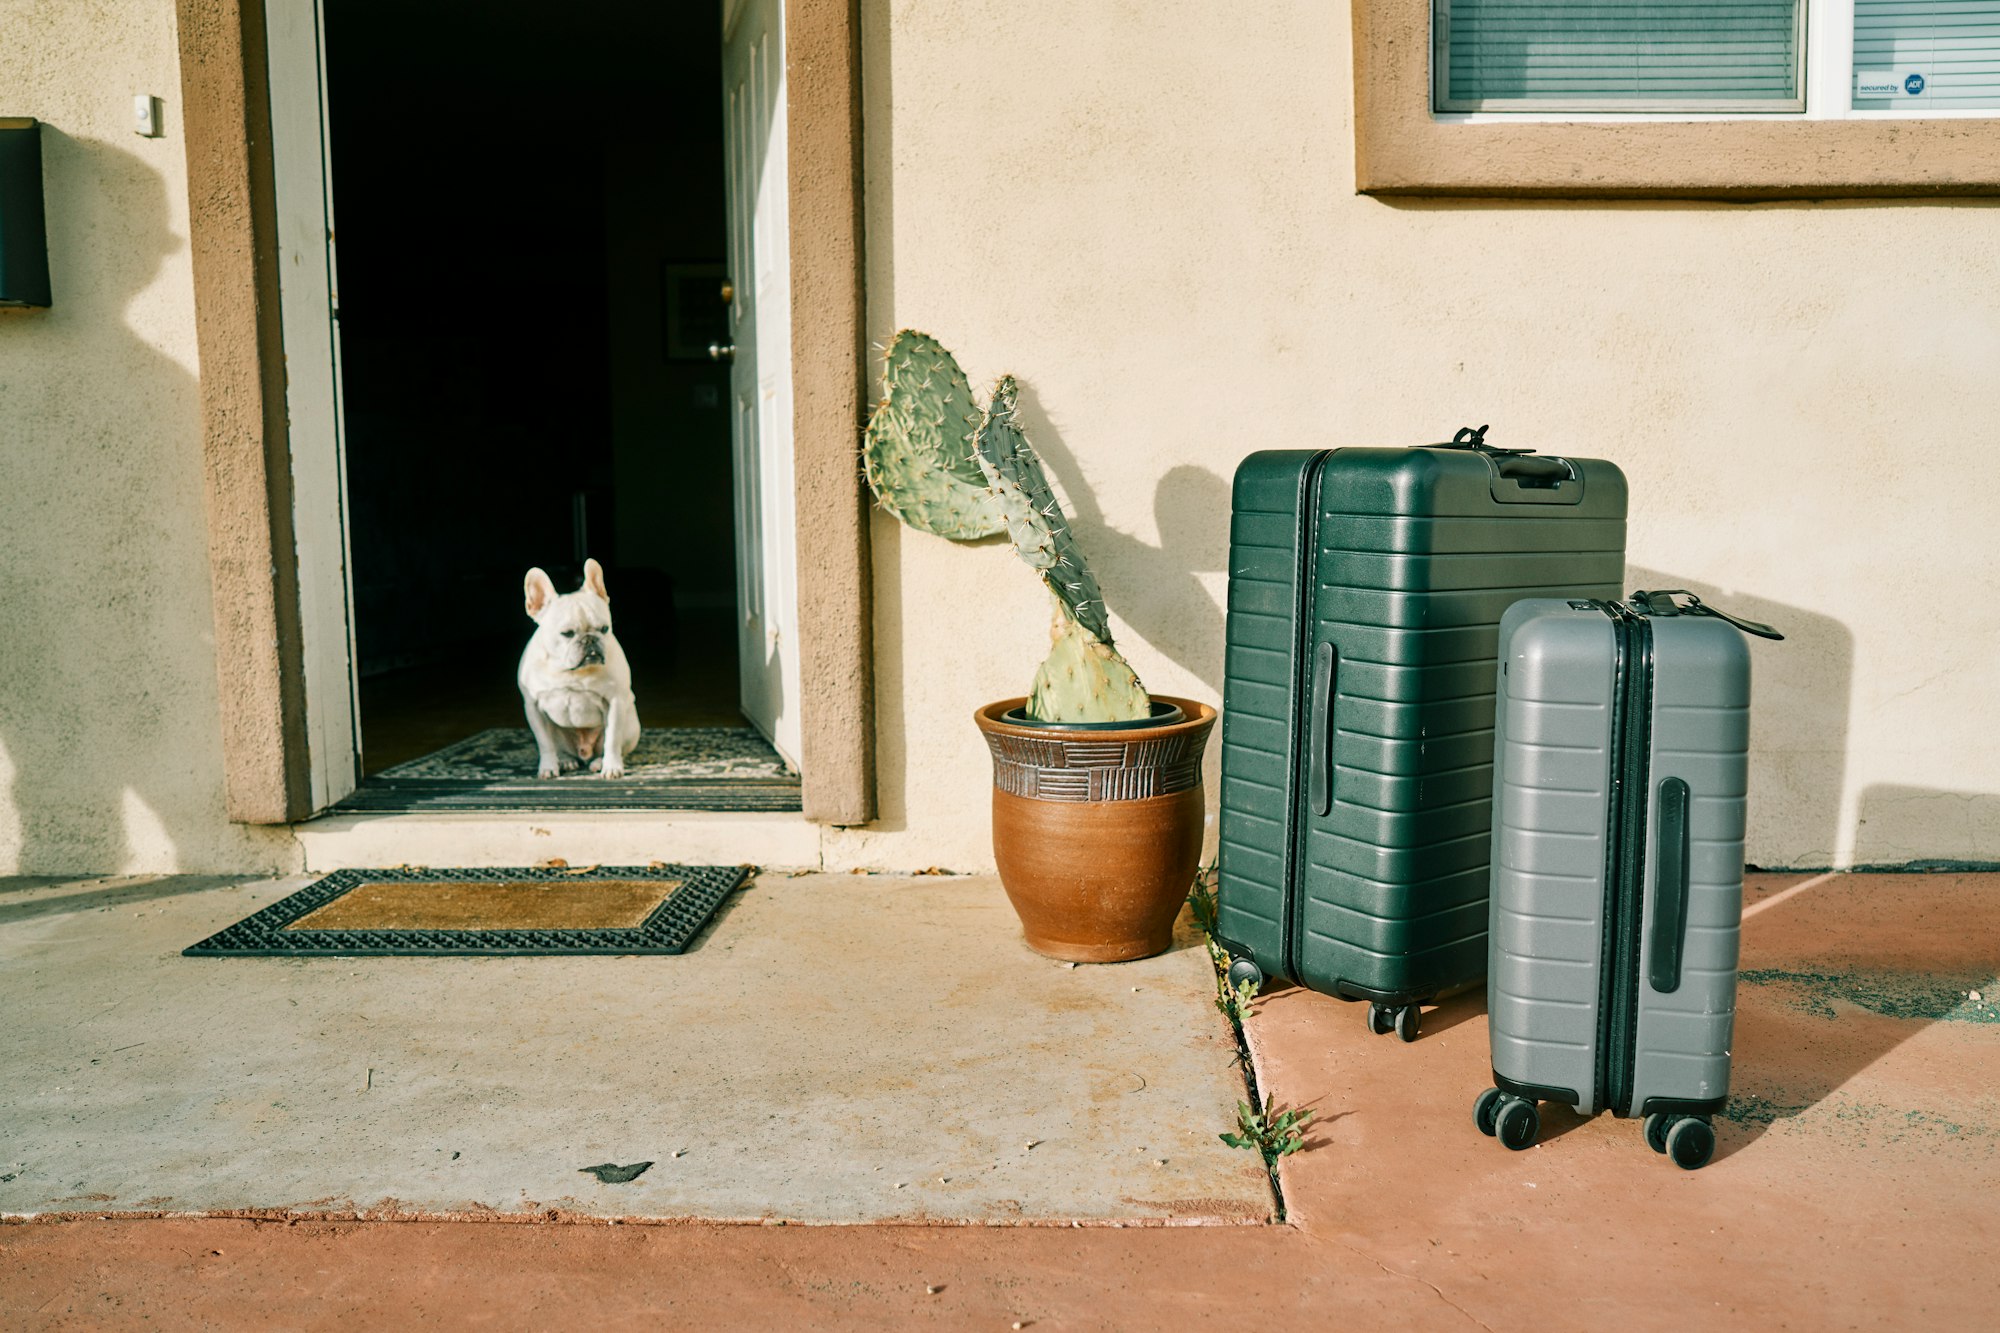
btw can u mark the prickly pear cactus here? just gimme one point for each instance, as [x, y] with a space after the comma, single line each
[918, 450]
[1083, 679]
[1036, 522]
[940, 465]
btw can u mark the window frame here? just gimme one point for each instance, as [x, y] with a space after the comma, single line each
[1402, 147]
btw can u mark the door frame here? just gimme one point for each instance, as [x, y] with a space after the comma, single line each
[257, 497]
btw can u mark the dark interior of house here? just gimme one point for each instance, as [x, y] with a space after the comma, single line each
[530, 230]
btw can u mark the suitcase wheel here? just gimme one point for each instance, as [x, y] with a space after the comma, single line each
[1401, 1019]
[1518, 1123]
[1486, 1111]
[1245, 969]
[1690, 1142]
[1656, 1131]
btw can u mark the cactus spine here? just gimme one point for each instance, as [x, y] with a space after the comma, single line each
[917, 451]
[941, 466]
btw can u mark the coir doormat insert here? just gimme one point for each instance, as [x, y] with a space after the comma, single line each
[539, 910]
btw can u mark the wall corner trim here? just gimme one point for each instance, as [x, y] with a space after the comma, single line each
[829, 397]
[246, 468]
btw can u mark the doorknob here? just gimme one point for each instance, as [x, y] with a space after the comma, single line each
[722, 351]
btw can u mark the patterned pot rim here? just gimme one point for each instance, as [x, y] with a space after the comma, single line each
[1161, 714]
[1084, 765]
[1195, 717]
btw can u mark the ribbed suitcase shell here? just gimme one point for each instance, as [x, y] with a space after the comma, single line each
[1555, 768]
[1403, 560]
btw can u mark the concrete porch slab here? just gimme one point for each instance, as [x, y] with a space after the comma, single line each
[834, 1048]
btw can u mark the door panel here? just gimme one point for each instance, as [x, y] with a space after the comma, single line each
[753, 68]
[309, 314]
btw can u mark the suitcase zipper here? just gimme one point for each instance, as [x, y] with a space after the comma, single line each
[1303, 634]
[1625, 857]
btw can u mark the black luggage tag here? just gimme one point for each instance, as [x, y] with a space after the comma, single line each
[1660, 602]
[1474, 438]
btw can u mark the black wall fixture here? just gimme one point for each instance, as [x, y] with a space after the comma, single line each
[24, 238]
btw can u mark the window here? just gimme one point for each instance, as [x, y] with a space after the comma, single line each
[1824, 59]
[1926, 56]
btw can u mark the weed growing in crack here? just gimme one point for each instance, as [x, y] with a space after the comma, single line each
[1271, 1132]
[1201, 901]
[1233, 1001]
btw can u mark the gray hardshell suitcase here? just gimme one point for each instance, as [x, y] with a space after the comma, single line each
[1366, 588]
[1620, 768]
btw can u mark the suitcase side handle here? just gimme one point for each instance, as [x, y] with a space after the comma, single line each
[1670, 887]
[1319, 740]
[1519, 478]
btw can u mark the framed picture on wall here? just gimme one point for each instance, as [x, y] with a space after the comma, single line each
[694, 309]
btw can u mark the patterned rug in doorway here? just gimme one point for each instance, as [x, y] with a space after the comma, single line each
[674, 768]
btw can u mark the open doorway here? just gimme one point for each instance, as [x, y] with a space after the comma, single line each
[532, 226]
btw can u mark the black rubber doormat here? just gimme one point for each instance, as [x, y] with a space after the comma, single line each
[674, 768]
[507, 912]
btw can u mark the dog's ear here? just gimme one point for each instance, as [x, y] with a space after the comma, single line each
[541, 591]
[593, 578]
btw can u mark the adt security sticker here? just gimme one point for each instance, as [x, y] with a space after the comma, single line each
[1886, 84]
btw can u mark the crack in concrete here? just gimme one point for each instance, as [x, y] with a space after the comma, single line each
[1422, 1281]
[1248, 1061]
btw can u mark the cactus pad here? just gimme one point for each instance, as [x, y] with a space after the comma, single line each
[1035, 520]
[1084, 679]
[918, 451]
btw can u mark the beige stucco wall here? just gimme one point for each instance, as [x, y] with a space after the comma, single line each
[110, 749]
[1147, 212]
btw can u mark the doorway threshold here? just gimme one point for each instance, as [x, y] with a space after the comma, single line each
[344, 840]
[528, 796]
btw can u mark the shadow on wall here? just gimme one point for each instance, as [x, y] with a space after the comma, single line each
[1157, 590]
[107, 709]
[1798, 723]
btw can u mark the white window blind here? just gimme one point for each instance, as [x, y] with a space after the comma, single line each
[1926, 55]
[1552, 55]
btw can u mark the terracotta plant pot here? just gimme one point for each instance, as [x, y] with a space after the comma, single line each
[1097, 831]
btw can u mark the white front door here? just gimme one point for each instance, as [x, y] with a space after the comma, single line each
[753, 80]
[309, 311]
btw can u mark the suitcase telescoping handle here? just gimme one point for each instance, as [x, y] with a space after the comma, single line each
[1660, 602]
[1319, 737]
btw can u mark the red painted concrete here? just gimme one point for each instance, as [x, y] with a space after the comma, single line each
[391, 1275]
[1854, 1187]
[1854, 1184]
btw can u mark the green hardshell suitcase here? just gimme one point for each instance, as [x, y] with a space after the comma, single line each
[1366, 588]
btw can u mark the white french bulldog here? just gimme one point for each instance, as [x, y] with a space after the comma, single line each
[575, 685]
